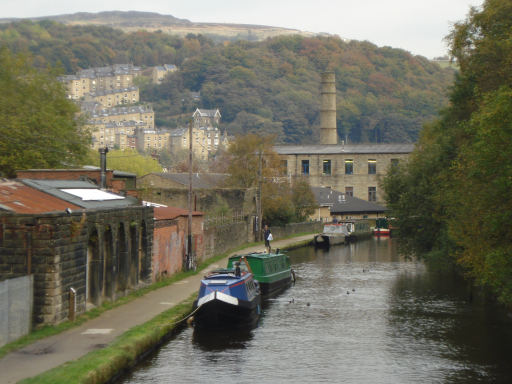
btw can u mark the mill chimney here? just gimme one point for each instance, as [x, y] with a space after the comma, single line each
[328, 133]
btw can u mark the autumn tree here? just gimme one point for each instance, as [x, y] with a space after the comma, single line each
[452, 200]
[38, 127]
[251, 160]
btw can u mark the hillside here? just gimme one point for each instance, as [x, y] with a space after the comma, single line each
[272, 86]
[133, 21]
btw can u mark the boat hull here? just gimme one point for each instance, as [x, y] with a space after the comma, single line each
[219, 314]
[324, 240]
[272, 288]
[381, 232]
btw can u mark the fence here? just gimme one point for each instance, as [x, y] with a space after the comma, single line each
[220, 220]
[16, 303]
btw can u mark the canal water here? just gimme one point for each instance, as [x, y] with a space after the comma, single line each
[357, 314]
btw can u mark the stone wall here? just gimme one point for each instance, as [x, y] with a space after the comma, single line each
[16, 301]
[222, 238]
[296, 228]
[102, 254]
[205, 200]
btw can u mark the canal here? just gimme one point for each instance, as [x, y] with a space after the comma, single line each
[357, 314]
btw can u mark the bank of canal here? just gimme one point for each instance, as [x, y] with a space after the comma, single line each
[357, 314]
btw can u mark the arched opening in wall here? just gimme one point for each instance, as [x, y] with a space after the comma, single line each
[143, 253]
[134, 255]
[123, 257]
[109, 272]
[93, 270]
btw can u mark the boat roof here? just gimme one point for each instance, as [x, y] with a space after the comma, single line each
[257, 254]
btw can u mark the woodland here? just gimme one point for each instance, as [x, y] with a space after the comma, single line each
[268, 87]
[452, 201]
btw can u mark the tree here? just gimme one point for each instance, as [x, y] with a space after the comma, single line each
[39, 128]
[452, 200]
[244, 156]
[129, 161]
[303, 199]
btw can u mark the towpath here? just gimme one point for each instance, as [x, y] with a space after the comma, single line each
[74, 343]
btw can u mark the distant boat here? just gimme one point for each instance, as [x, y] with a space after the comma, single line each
[228, 298]
[333, 234]
[381, 228]
[272, 270]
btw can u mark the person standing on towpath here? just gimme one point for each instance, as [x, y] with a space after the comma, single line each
[267, 235]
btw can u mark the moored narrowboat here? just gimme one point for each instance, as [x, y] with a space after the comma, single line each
[228, 298]
[333, 234]
[272, 270]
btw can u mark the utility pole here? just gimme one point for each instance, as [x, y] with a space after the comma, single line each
[260, 205]
[190, 257]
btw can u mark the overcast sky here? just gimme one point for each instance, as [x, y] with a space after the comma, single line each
[418, 26]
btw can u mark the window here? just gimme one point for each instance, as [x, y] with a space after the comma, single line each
[372, 193]
[372, 166]
[349, 191]
[326, 167]
[349, 167]
[284, 167]
[305, 167]
[394, 162]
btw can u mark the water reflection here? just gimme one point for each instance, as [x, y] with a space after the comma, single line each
[209, 341]
[357, 314]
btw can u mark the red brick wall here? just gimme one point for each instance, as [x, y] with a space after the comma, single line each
[169, 245]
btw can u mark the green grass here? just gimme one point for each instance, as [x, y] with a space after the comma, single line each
[102, 365]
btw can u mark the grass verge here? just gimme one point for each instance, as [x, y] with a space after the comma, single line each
[103, 365]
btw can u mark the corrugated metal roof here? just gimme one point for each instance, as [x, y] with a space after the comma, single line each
[17, 197]
[169, 213]
[332, 149]
[55, 187]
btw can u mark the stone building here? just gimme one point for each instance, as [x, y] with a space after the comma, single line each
[95, 113]
[159, 72]
[206, 135]
[206, 118]
[151, 139]
[72, 236]
[119, 135]
[114, 97]
[92, 80]
[354, 169]
[334, 204]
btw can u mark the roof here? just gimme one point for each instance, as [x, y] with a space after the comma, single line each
[19, 198]
[333, 149]
[199, 180]
[206, 112]
[340, 203]
[169, 213]
[81, 193]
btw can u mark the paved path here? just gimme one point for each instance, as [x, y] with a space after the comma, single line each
[96, 333]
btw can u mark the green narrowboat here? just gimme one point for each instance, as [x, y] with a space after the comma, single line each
[272, 270]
